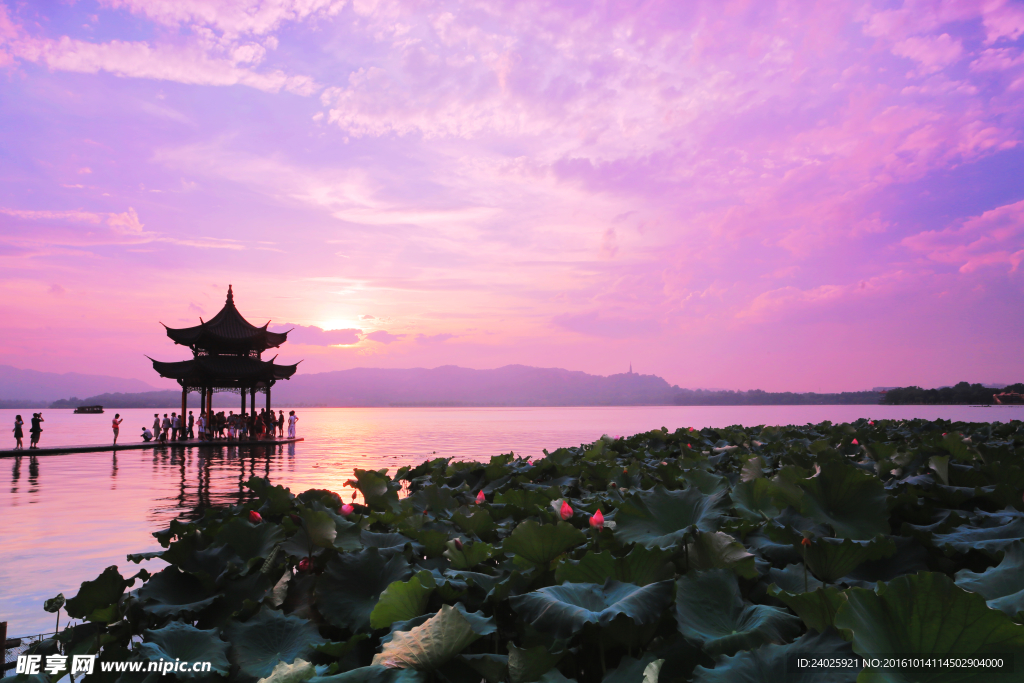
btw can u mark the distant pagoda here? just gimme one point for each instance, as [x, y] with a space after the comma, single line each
[226, 356]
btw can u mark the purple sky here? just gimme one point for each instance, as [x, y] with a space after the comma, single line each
[780, 195]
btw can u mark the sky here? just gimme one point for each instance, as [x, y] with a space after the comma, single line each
[784, 195]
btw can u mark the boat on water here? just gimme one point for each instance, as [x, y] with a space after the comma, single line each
[88, 409]
[1009, 398]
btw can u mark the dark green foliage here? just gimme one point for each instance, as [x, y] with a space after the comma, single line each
[723, 553]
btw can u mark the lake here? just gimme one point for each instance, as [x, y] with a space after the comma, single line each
[64, 518]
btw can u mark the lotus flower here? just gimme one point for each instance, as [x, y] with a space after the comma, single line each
[347, 509]
[871, 422]
[855, 442]
[597, 521]
[805, 541]
[255, 517]
[481, 498]
[458, 544]
[614, 485]
[663, 462]
[566, 511]
[304, 564]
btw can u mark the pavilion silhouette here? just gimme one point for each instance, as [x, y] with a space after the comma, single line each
[226, 356]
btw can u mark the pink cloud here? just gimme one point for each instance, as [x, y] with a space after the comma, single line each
[933, 53]
[996, 237]
[383, 336]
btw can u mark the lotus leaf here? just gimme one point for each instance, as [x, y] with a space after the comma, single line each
[54, 604]
[270, 637]
[538, 543]
[349, 588]
[296, 672]
[171, 592]
[402, 600]
[476, 522]
[1001, 586]
[991, 540]
[830, 559]
[771, 663]
[371, 674]
[95, 596]
[431, 644]
[816, 606]
[928, 615]
[852, 502]
[629, 670]
[249, 540]
[563, 610]
[711, 613]
[178, 641]
[493, 668]
[469, 556]
[661, 518]
[641, 567]
[754, 499]
[720, 551]
[379, 491]
[526, 665]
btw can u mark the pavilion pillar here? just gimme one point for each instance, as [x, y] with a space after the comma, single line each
[242, 393]
[252, 401]
[181, 420]
[268, 399]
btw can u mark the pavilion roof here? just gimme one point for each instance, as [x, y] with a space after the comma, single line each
[224, 371]
[227, 332]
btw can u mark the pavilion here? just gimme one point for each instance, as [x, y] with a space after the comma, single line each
[226, 356]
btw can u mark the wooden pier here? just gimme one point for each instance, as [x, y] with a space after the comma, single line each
[135, 446]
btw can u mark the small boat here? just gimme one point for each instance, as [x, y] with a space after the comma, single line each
[88, 409]
[1009, 398]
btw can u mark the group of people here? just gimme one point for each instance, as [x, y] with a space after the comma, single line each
[34, 431]
[241, 426]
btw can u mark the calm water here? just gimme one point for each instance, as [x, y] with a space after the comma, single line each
[64, 518]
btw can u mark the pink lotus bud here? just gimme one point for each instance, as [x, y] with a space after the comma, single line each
[480, 498]
[255, 517]
[871, 422]
[347, 509]
[597, 521]
[943, 433]
[304, 564]
[663, 462]
[353, 495]
[458, 544]
[566, 511]
[691, 429]
[855, 442]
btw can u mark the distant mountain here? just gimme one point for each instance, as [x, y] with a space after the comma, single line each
[32, 386]
[449, 385]
[512, 385]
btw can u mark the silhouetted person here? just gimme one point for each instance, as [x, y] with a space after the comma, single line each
[116, 426]
[191, 423]
[19, 433]
[292, 419]
[35, 430]
[147, 435]
[280, 423]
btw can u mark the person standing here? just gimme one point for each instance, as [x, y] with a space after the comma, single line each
[156, 426]
[36, 430]
[19, 433]
[117, 426]
[280, 423]
[292, 419]
[201, 425]
[191, 423]
[165, 427]
[175, 427]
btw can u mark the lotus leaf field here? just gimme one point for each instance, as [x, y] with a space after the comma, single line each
[719, 555]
